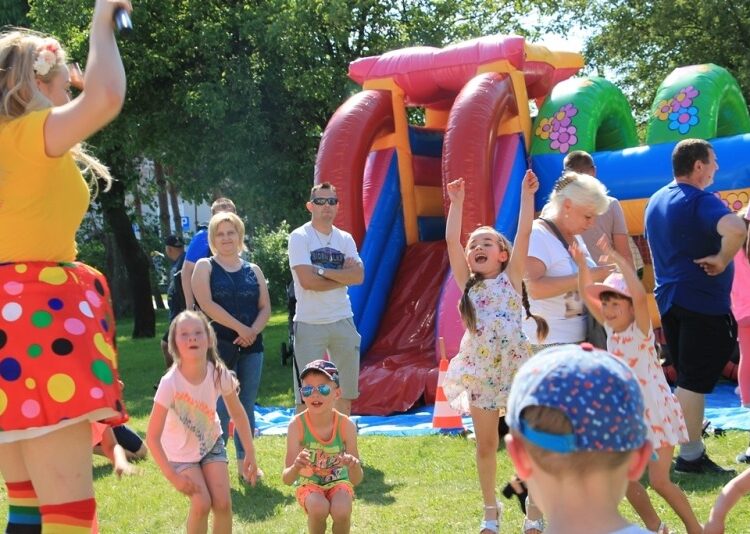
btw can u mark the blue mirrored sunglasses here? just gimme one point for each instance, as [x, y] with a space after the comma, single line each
[320, 201]
[323, 389]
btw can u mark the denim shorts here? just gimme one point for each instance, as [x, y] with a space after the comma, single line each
[217, 454]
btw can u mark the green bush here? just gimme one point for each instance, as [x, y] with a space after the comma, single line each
[92, 252]
[90, 241]
[269, 250]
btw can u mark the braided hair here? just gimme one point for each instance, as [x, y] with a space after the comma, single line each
[542, 328]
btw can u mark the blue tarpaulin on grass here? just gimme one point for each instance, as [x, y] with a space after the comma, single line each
[722, 409]
[418, 422]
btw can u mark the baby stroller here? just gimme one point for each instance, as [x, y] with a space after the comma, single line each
[287, 348]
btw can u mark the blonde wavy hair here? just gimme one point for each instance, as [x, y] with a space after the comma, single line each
[19, 94]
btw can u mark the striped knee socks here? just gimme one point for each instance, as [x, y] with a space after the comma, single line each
[23, 509]
[68, 518]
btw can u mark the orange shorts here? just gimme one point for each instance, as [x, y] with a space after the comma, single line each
[303, 492]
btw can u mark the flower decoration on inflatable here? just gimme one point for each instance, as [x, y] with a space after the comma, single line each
[679, 110]
[559, 128]
[734, 200]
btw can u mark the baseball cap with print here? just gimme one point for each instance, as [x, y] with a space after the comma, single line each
[598, 394]
[321, 366]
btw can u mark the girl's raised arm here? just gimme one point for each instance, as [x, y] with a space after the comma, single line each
[517, 263]
[103, 91]
[456, 254]
[585, 279]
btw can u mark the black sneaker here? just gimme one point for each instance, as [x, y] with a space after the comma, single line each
[704, 464]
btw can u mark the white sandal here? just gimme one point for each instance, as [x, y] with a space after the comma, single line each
[493, 525]
[532, 524]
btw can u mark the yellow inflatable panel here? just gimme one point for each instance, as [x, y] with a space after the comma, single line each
[429, 201]
[633, 210]
[560, 60]
[653, 311]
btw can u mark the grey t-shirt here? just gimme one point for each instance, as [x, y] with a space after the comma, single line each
[609, 223]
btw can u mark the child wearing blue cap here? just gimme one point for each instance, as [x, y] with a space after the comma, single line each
[577, 435]
[321, 453]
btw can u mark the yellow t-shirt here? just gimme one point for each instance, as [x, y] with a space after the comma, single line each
[42, 199]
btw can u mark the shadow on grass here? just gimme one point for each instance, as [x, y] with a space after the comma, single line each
[700, 482]
[103, 470]
[258, 503]
[374, 489]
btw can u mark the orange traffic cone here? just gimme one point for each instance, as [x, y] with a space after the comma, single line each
[443, 416]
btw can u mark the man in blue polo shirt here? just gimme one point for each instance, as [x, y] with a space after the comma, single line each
[693, 237]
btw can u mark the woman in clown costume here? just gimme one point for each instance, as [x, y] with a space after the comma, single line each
[58, 367]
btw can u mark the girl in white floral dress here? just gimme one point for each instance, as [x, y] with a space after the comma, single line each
[489, 272]
[619, 303]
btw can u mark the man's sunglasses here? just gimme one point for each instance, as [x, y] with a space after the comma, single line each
[323, 389]
[320, 201]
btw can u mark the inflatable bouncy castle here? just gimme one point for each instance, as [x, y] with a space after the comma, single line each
[474, 102]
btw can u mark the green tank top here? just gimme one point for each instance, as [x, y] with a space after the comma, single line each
[326, 470]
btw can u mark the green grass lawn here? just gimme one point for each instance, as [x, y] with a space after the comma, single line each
[423, 484]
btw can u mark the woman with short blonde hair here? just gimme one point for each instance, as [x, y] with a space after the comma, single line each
[551, 274]
[233, 293]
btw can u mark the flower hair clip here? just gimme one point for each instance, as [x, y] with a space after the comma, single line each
[563, 182]
[46, 57]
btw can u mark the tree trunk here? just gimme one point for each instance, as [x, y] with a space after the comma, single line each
[175, 203]
[161, 195]
[134, 259]
[117, 276]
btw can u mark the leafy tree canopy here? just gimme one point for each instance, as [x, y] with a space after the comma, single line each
[642, 41]
[232, 96]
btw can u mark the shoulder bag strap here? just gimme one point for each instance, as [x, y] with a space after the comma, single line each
[558, 234]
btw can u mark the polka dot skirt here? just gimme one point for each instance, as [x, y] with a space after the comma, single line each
[57, 356]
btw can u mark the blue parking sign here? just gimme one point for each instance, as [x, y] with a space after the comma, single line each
[185, 223]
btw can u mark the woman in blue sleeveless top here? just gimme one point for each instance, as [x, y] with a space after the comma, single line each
[233, 293]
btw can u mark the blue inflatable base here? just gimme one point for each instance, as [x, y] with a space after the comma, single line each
[722, 409]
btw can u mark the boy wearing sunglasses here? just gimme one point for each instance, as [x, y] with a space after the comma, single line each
[324, 262]
[321, 453]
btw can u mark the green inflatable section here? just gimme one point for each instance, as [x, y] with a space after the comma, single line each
[699, 101]
[588, 114]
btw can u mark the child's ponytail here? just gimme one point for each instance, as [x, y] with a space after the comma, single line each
[542, 328]
[465, 307]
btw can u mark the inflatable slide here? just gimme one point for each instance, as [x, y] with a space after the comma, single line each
[390, 177]
[426, 116]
